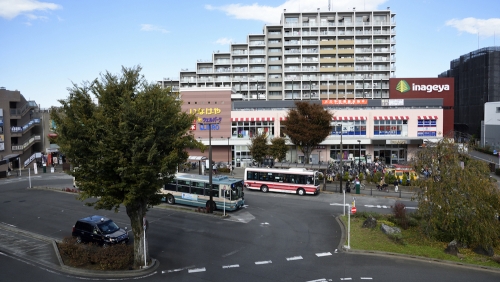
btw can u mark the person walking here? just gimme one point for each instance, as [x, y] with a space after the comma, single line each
[230, 169]
[214, 168]
[396, 183]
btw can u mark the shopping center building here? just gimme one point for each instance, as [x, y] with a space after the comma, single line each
[419, 111]
[344, 61]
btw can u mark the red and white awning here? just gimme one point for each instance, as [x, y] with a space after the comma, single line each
[391, 117]
[253, 119]
[427, 117]
[348, 118]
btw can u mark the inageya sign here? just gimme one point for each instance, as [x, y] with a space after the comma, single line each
[403, 87]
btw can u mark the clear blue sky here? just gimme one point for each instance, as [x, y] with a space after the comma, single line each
[45, 46]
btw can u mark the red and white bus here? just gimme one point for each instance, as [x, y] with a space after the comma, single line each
[298, 181]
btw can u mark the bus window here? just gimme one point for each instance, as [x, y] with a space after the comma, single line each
[289, 178]
[310, 180]
[278, 177]
[197, 188]
[183, 186]
[170, 187]
[301, 179]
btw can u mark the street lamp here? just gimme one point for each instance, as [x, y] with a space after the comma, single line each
[228, 148]
[341, 164]
[359, 159]
[211, 203]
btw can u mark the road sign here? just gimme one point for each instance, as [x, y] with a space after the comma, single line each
[353, 210]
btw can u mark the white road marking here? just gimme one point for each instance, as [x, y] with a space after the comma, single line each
[366, 278]
[177, 270]
[318, 280]
[324, 254]
[230, 266]
[347, 278]
[263, 262]
[385, 207]
[378, 206]
[294, 258]
[196, 270]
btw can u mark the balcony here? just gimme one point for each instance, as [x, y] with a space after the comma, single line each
[19, 112]
[27, 144]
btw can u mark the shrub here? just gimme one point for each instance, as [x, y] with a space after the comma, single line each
[399, 211]
[92, 256]
[223, 169]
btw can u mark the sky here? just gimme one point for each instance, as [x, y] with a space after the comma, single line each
[49, 46]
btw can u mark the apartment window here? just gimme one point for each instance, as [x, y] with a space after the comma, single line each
[273, 59]
[274, 50]
[498, 109]
[291, 20]
[274, 93]
[274, 41]
[274, 67]
[275, 84]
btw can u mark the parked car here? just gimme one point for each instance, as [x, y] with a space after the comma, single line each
[100, 230]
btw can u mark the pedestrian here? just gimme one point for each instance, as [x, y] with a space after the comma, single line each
[396, 183]
[214, 168]
[230, 169]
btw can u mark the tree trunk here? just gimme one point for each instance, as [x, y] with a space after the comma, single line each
[137, 212]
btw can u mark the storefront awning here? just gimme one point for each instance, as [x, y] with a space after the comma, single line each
[197, 158]
[391, 117]
[253, 119]
[8, 158]
[427, 117]
[348, 118]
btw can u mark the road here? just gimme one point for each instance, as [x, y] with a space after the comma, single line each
[275, 238]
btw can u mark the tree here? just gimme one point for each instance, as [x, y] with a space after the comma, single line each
[120, 144]
[278, 148]
[258, 147]
[307, 126]
[457, 199]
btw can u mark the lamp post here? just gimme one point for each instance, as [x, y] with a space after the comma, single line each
[359, 159]
[310, 90]
[293, 97]
[211, 203]
[341, 164]
[228, 148]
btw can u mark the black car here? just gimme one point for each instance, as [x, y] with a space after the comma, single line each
[100, 230]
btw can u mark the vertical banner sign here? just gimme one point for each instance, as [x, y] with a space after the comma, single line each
[35, 169]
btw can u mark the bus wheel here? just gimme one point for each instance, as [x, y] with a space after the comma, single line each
[170, 199]
[301, 192]
[264, 189]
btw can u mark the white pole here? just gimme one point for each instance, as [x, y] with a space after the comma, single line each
[144, 228]
[349, 228]
[19, 165]
[224, 201]
[344, 197]
[29, 176]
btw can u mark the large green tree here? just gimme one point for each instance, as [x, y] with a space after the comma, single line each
[278, 148]
[258, 147]
[307, 125]
[121, 132]
[457, 200]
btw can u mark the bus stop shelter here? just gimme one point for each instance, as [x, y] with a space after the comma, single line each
[199, 159]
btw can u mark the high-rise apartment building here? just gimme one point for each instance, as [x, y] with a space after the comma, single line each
[309, 55]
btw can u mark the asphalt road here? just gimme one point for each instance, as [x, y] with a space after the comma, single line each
[275, 238]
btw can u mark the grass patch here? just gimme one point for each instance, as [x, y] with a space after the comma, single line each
[411, 242]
